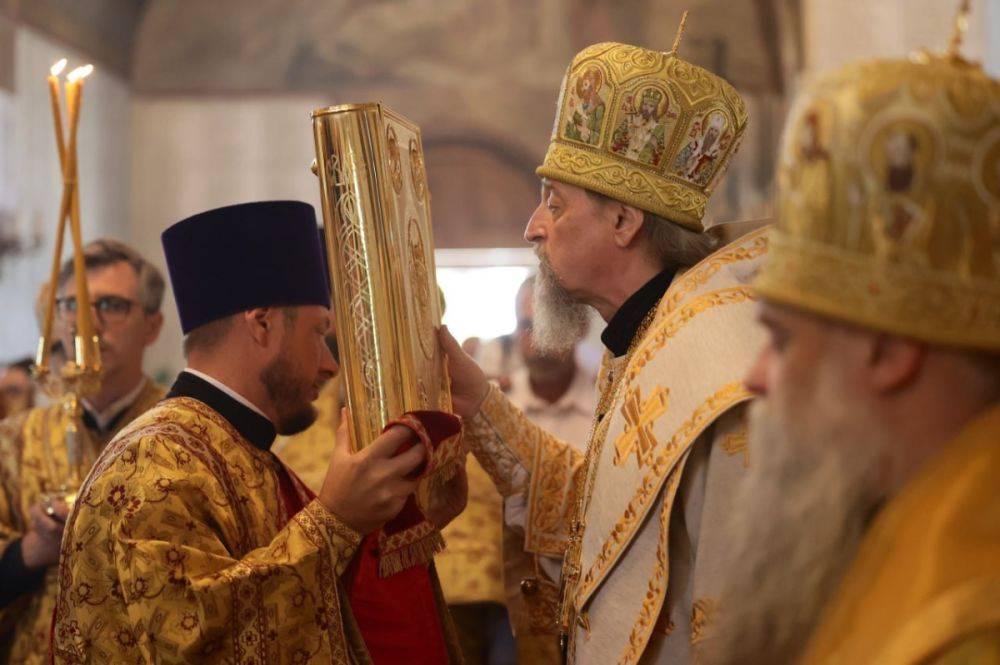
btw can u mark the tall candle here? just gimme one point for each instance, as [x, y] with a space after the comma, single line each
[84, 324]
[41, 359]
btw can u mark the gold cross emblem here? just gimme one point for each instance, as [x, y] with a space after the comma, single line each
[737, 443]
[639, 419]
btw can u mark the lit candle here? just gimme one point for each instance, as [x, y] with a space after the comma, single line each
[42, 357]
[84, 324]
[53, 78]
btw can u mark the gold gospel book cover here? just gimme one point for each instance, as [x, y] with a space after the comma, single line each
[376, 212]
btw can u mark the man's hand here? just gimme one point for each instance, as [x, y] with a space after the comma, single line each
[469, 386]
[368, 488]
[446, 500]
[40, 546]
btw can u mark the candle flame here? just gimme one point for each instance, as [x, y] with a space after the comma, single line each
[79, 73]
[57, 68]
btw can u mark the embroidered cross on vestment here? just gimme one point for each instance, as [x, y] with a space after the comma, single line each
[639, 418]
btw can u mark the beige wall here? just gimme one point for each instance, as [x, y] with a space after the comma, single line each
[30, 185]
[839, 31]
[151, 158]
[194, 154]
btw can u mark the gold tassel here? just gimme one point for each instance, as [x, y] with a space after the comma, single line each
[420, 552]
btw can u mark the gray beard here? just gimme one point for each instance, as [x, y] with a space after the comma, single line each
[560, 322]
[799, 518]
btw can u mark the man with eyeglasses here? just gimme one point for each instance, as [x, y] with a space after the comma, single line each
[126, 291]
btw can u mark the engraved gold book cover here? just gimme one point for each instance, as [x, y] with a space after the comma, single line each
[376, 212]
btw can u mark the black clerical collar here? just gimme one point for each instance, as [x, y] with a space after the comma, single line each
[254, 427]
[624, 325]
[99, 423]
[90, 422]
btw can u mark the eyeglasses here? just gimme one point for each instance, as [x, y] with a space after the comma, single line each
[110, 309]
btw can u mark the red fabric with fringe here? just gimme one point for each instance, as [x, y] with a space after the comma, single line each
[388, 582]
[398, 616]
[409, 539]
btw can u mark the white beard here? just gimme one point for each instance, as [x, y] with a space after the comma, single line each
[560, 322]
[802, 510]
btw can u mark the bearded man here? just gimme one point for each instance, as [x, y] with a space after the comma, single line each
[190, 541]
[634, 519]
[873, 521]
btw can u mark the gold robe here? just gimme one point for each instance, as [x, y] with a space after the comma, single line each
[32, 463]
[181, 549]
[657, 481]
[188, 544]
[471, 566]
[925, 584]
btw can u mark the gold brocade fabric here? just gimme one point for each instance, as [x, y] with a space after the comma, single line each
[889, 201]
[645, 128]
[471, 566]
[32, 463]
[181, 550]
[925, 585]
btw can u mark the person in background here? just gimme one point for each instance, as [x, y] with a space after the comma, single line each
[632, 522]
[17, 388]
[126, 291]
[552, 389]
[558, 394]
[869, 531]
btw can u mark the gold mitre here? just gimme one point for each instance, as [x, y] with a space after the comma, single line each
[889, 201]
[645, 128]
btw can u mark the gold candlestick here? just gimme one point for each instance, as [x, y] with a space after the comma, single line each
[81, 376]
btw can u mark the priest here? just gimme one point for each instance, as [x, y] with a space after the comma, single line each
[190, 541]
[630, 530]
[873, 523]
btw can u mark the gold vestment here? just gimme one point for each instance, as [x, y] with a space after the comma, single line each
[181, 549]
[638, 520]
[925, 584]
[33, 463]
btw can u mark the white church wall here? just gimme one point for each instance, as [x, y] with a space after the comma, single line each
[30, 183]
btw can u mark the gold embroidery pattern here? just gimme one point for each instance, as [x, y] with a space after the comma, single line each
[496, 459]
[748, 248]
[680, 317]
[652, 604]
[937, 307]
[703, 614]
[181, 545]
[556, 479]
[33, 462]
[594, 171]
[555, 468]
[639, 418]
[737, 443]
[625, 528]
[667, 319]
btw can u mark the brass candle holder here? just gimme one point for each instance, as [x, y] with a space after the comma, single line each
[81, 374]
